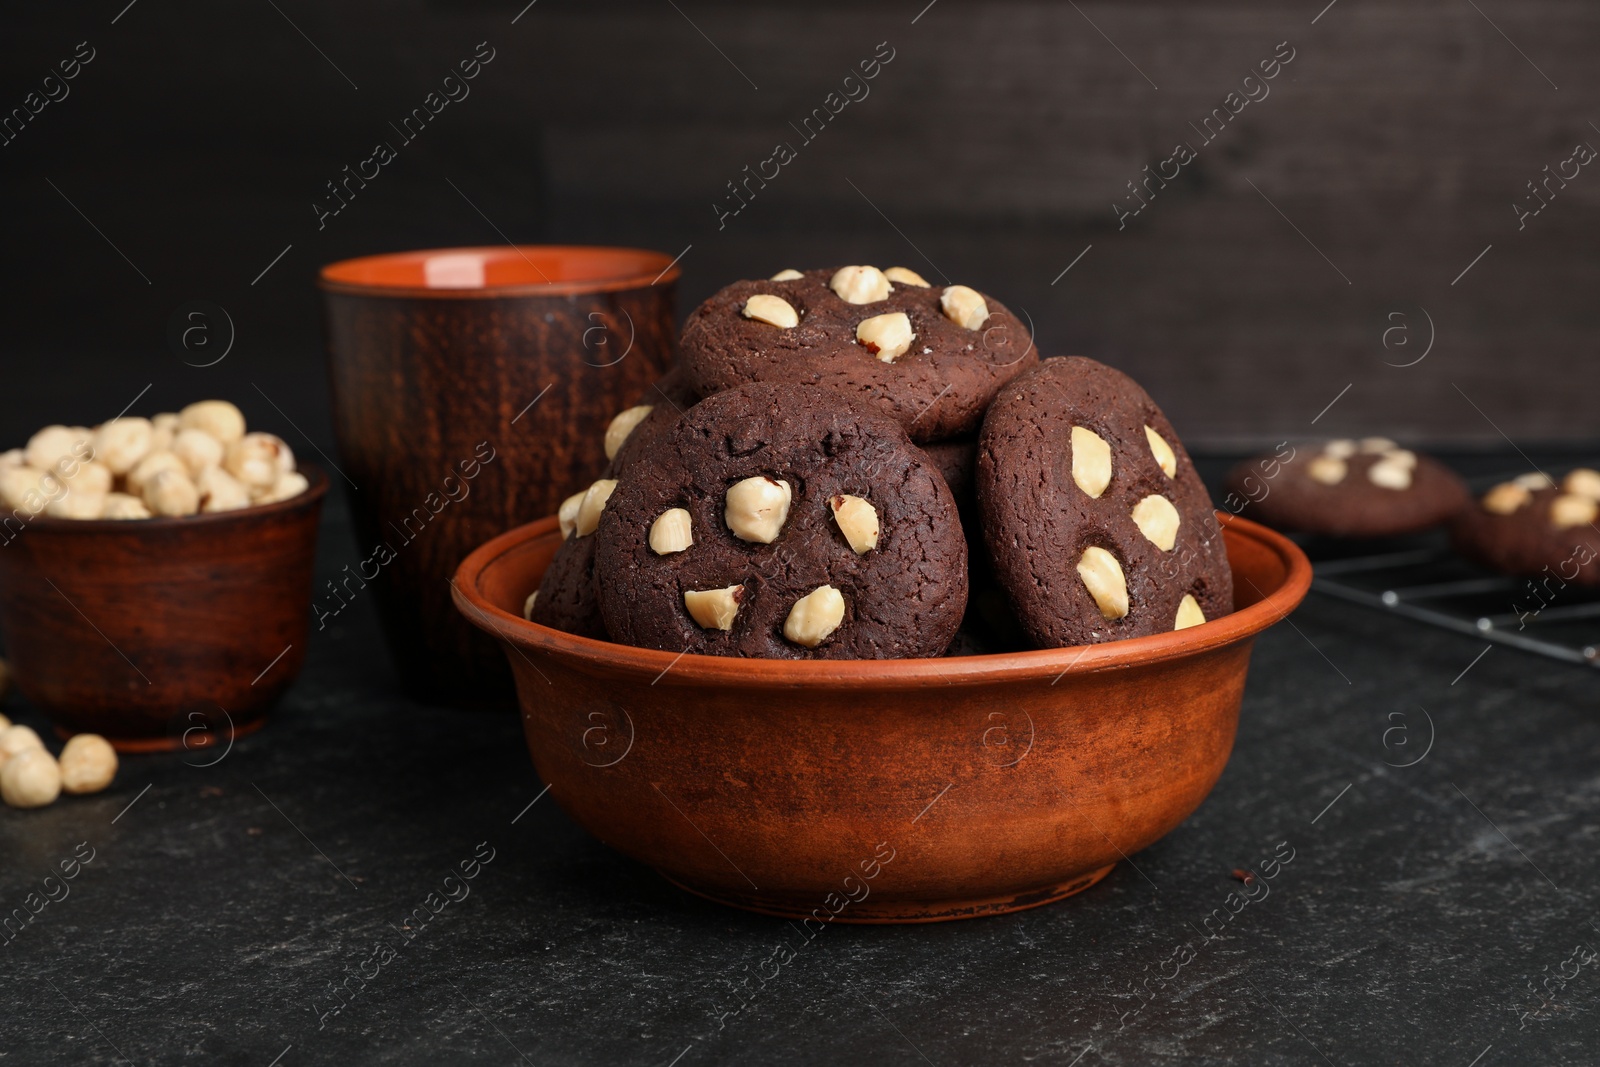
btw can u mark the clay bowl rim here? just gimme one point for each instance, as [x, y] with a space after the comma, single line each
[313, 494]
[328, 283]
[688, 670]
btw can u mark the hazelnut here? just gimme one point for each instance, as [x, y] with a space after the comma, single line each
[1569, 510]
[198, 450]
[1389, 475]
[1158, 520]
[814, 616]
[121, 443]
[1340, 448]
[123, 506]
[1402, 456]
[23, 489]
[1505, 498]
[714, 609]
[30, 779]
[77, 504]
[964, 307]
[671, 532]
[54, 443]
[788, 274]
[171, 492]
[858, 521]
[220, 491]
[1102, 576]
[756, 508]
[91, 478]
[289, 483]
[88, 764]
[15, 740]
[257, 459]
[163, 430]
[1091, 461]
[1327, 469]
[218, 418]
[618, 429]
[1166, 459]
[773, 310]
[1582, 482]
[1534, 481]
[1189, 613]
[594, 502]
[886, 336]
[906, 276]
[1377, 445]
[859, 285]
[567, 514]
[151, 465]
[527, 605]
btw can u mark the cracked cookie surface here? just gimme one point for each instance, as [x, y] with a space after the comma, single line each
[1097, 524]
[937, 388]
[814, 529]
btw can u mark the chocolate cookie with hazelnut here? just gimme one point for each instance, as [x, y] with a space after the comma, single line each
[1345, 488]
[1533, 525]
[930, 356]
[1097, 524]
[786, 522]
[566, 598]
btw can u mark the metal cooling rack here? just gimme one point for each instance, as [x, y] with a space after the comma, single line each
[1422, 579]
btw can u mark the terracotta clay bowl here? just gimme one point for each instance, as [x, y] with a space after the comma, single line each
[161, 633]
[886, 790]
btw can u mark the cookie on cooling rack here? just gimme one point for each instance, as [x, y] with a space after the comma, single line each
[1098, 526]
[1345, 488]
[930, 356]
[784, 522]
[1531, 526]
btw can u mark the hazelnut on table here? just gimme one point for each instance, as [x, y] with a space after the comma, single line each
[88, 764]
[30, 779]
[15, 740]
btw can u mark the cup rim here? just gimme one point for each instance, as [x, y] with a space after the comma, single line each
[646, 268]
[610, 659]
[313, 495]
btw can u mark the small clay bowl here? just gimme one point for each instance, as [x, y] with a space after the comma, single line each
[881, 790]
[161, 633]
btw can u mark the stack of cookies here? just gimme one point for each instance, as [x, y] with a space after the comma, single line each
[841, 454]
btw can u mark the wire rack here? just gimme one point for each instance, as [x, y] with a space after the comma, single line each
[1422, 579]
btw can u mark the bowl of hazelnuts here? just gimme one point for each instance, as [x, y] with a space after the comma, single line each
[155, 574]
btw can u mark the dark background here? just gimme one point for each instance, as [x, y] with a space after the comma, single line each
[989, 151]
[1431, 900]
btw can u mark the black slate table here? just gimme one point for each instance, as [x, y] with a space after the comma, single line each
[301, 900]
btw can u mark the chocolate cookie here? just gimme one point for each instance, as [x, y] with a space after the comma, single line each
[932, 357]
[1343, 488]
[957, 460]
[784, 522]
[566, 599]
[1097, 524]
[1529, 526]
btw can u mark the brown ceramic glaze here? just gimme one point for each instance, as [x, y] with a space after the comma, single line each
[885, 790]
[161, 633]
[429, 379]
